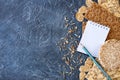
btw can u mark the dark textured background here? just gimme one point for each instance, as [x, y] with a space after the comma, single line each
[29, 31]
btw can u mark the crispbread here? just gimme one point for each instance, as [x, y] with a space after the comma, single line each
[109, 54]
[100, 15]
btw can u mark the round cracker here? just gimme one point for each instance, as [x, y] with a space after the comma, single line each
[82, 9]
[79, 16]
[109, 54]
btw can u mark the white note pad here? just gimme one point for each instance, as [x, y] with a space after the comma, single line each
[93, 37]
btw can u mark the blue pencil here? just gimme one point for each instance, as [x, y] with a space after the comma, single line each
[97, 64]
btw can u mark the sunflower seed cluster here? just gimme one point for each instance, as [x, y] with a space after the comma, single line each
[68, 45]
